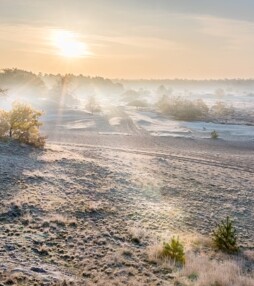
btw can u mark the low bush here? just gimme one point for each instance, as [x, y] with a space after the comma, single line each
[183, 109]
[190, 110]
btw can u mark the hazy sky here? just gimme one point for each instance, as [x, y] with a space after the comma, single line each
[129, 39]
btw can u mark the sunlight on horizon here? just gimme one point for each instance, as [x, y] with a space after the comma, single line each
[69, 44]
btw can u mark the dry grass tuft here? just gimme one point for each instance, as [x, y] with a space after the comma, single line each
[61, 220]
[199, 270]
[137, 234]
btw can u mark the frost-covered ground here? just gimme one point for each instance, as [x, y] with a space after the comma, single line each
[131, 121]
[118, 117]
[110, 186]
[92, 213]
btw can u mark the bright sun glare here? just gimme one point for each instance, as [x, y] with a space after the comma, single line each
[69, 45]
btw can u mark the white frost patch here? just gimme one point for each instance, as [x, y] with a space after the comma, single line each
[114, 133]
[158, 125]
[172, 134]
[115, 121]
[80, 124]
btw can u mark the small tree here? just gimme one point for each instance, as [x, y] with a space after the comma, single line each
[224, 236]
[92, 105]
[214, 135]
[174, 250]
[22, 123]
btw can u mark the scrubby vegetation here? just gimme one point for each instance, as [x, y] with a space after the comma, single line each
[190, 110]
[224, 236]
[183, 109]
[219, 109]
[22, 123]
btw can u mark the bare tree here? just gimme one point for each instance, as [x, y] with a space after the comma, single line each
[92, 105]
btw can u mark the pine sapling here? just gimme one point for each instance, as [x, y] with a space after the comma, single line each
[224, 236]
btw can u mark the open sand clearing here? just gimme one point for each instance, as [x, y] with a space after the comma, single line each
[125, 120]
[89, 214]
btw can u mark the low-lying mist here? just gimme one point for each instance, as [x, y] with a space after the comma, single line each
[160, 107]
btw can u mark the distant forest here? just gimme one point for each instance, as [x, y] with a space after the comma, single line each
[10, 78]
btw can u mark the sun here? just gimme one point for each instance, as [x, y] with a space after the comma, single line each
[68, 44]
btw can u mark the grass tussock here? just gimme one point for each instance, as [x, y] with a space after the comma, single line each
[61, 220]
[200, 270]
[137, 234]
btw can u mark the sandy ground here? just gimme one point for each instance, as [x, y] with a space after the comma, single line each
[87, 209]
[124, 120]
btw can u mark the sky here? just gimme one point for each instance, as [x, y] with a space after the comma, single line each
[160, 39]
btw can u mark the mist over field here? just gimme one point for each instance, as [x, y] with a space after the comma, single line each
[178, 108]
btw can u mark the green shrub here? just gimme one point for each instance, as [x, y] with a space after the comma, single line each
[174, 250]
[224, 236]
[214, 135]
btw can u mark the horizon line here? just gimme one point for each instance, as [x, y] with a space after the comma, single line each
[132, 79]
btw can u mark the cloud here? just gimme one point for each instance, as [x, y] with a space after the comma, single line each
[24, 38]
[233, 34]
